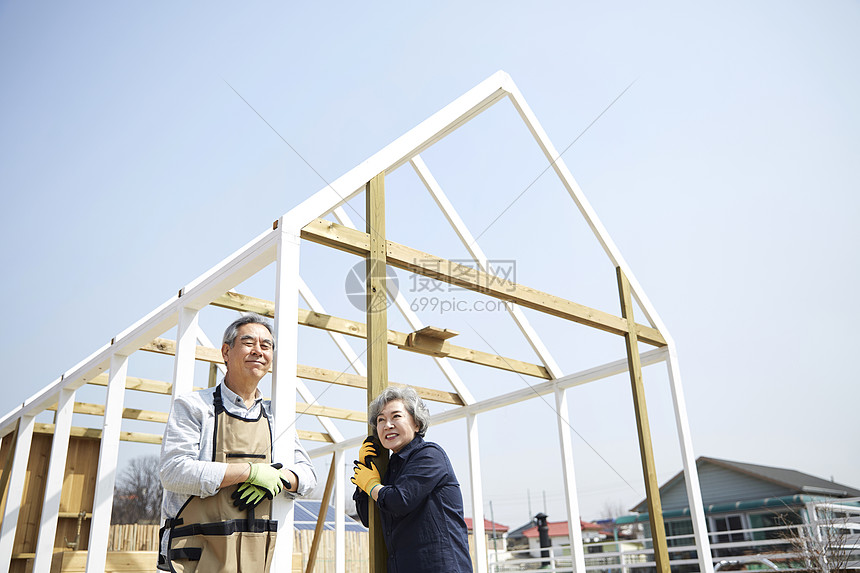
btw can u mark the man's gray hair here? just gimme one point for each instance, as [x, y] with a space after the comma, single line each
[249, 318]
[411, 401]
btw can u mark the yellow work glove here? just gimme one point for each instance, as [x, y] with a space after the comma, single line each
[366, 477]
[367, 450]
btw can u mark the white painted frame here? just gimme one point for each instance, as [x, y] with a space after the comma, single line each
[282, 245]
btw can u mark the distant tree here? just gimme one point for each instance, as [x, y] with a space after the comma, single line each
[612, 509]
[825, 544]
[137, 494]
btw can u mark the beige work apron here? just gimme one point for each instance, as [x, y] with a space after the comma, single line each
[211, 535]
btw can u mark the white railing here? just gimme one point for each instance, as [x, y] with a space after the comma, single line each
[828, 541]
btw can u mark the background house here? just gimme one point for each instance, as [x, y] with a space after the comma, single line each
[496, 540]
[559, 536]
[742, 501]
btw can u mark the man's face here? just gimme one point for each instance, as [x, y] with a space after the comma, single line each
[250, 357]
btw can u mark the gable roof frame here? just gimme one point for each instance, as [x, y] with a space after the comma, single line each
[281, 245]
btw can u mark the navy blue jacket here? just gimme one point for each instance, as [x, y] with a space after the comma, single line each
[421, 510]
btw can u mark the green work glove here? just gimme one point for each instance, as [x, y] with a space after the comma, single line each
[367, 450]
[366, 477]
[268, 478]
[248, 496]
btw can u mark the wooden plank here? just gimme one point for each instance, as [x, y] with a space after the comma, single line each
[10, 442]
[167, 346]
[377, 344]
[143, 438]
[127, 413]
[96, 434]
[139, 384]
[406, 258]
[116, 561]
[356, 381]
[206, 354]
[652, 485]
[436, 332]
[329, 485]
[399, 339]
[330, 412]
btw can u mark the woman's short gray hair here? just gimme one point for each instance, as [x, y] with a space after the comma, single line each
[413, 403]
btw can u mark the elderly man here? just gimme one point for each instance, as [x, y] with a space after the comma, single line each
[216, 465]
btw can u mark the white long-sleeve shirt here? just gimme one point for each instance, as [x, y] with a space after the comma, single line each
[186, 467]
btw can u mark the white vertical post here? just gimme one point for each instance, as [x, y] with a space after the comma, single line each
[691, 474]
[478, 535]
[284, 383]
[570, 497]
[184, 360]
[339, 512]
[106, 473]
[17, 477]
[54, 482]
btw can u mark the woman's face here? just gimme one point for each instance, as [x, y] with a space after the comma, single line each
[395, 426]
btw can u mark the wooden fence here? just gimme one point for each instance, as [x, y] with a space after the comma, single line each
[145, 538]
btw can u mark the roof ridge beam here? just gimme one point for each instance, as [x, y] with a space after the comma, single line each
[356, 242]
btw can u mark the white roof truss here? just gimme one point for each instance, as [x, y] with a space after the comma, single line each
[281, 244]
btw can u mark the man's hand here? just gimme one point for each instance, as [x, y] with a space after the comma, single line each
[268, 478]
[366, 477]
[367, 451]
[248, 496]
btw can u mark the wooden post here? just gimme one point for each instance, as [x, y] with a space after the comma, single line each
[315, 544]
[7, 466]
[213, 375]
[652, 487]
[377, 344]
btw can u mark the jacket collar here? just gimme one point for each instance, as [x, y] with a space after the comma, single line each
[412, 446]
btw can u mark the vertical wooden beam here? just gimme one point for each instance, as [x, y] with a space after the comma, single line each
[213, 375]
[315, 545]
[7, 466]
[652, 486]
[14, 497]
[106, 473]
[377, 344]
[54, 482]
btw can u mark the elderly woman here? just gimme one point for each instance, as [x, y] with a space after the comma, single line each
[419, 497]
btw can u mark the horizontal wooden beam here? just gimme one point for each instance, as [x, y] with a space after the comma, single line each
[127, 413]
[207, 354]
[144, 438]
[356, 381]
[330, 412]
[167, 346]
[139, 384]
[353, 241]
[421, 345]
[96, 434]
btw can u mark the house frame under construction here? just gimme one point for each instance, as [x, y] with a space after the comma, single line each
[321, 219]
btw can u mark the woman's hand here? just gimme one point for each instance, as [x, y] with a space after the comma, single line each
[366, 477]
[367, 451]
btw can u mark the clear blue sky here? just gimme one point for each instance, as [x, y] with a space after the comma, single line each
[727, 175]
